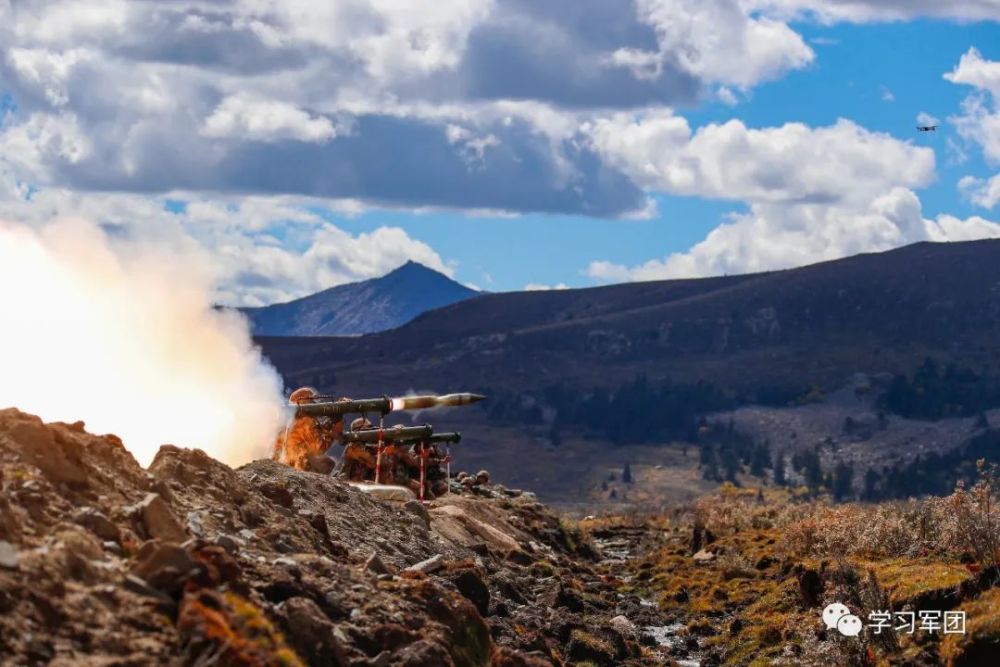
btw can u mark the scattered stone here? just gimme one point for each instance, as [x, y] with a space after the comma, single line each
[375, 565]
[624, 626]
[98, 523]
[519, 556]
[165, 567]
[228, 543]
[162, 487]
[159, 522]
[9, 558]
[564, 596]
[418, 508]
[182, 600]
[703, 556]
[318, 522]
[287, 562]
[432, 564]
[278, 493]
[470, 584]
[139, 587]
[311, 633]
[195, 525]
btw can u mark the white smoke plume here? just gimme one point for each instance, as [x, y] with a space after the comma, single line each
[129, 343]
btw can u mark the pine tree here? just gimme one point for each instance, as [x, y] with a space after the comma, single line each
[869, 491]
[760, 459]
[779, 469]
[710, 463]
[842, 483]
[730, 464]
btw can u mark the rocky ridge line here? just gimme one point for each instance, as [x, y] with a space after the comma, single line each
[192, 562]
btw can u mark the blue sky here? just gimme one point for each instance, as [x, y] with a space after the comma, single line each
[505, 142]
[856, 66]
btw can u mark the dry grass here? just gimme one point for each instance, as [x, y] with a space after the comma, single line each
[752, 604]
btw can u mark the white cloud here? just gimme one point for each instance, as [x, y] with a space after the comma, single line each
[154, 87]
[541, 287]
[981, 192]
[42, 143]
[973, 70]
[950, 228]
[924, 119]
[727, 96]
[979, 120]
[791, 163]
[813, 194]
[245, 117]
[723, 43]
[772, 237]
[478, 105]
[887, 95]
[46, 71]
[865, 11]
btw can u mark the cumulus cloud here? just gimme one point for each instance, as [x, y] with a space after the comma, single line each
[721, 42]
[812, 193]
[793, 163]
[771, 237]
[243, 117]
[508, 106]
[979, 120]
[211, 95]
[981, 192]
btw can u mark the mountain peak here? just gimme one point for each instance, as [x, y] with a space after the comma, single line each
[412, 266]
[376, 304]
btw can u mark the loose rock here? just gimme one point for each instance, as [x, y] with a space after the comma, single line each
[159, 522]
[432, 564]
[375, 565]
[98, 523]
[9, 558]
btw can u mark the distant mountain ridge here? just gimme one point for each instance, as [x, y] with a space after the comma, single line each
[572, 376]
[359, 308]
[814, 325]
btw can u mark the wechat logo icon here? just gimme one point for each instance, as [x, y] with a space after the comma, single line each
[840, 617]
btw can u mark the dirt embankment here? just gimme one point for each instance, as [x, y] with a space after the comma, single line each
[192, 562]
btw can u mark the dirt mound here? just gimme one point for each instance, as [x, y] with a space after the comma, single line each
[192, 562]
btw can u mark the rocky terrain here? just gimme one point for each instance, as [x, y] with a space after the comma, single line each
[103, 562]
[746, 574]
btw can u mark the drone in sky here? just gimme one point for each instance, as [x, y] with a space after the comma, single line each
[926, 128]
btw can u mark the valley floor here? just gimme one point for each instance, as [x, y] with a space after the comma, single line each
[744, 578]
